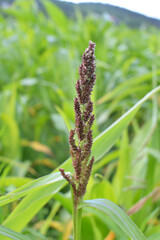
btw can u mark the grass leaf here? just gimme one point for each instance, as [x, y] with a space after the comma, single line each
[4, 231]
[118, 216]
[30, 187]
[101, 145]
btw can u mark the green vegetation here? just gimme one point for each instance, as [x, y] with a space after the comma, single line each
[119, 15]
[116, 14]
[39, 60]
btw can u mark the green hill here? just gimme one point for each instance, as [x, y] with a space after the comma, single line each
[117, 14]
[120, 15]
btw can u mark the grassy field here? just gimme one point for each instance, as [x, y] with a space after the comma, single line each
[39, 60]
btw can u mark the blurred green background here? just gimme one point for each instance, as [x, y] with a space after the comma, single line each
[40, 54]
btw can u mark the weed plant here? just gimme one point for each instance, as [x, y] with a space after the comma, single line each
[39, 59]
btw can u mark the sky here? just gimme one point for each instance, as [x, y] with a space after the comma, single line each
[149, 8]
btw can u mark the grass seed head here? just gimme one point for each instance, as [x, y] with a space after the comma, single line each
[83, 107]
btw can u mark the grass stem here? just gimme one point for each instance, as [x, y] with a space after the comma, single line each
[77, 217]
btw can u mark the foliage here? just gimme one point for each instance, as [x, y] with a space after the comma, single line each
[40, 55]
[110, 12]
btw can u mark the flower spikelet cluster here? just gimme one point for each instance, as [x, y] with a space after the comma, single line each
[80, 138]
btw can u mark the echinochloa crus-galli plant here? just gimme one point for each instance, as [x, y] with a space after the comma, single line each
[80, 138]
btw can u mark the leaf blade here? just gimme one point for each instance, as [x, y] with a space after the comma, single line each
[110, 135]
[118, 216]
[103, 139]
[4, 231]
[31, 186]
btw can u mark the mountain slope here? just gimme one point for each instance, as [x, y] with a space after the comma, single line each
[120, 15]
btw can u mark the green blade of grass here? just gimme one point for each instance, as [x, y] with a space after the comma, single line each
[118, 216]
[4, 231]
[106, 139]
[101, 146]
[31, 186]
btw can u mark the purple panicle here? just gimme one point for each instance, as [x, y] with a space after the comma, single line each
[80, 138]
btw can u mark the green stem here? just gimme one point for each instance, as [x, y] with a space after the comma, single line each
[51, 215]
[77, 216]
